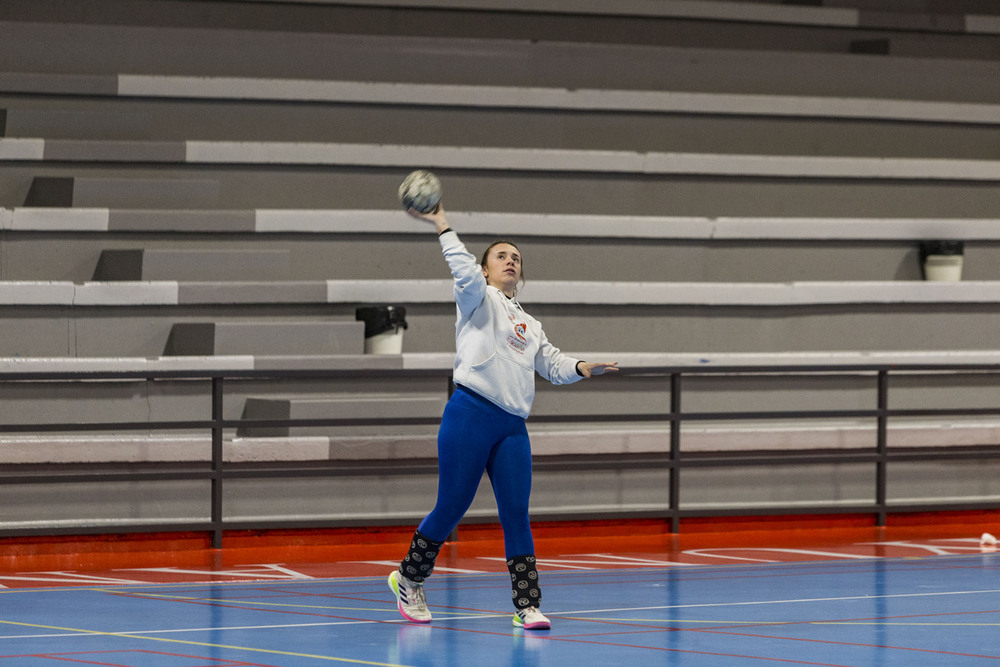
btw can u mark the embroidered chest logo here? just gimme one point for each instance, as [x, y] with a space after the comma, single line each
[517, 341]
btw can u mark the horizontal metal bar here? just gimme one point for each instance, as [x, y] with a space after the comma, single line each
[396, 468]
[944, 454]
[105, 529]
[100, 477]
[774, 459]
[774, 510]
[434, 420]
[933, 506]
[106, 426]
[329, 421]
[636, 371]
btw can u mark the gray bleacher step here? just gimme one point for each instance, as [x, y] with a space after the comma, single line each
[76, 124]
[107, 192]
[278, 54]
[964, 48]
[183, 264]
[583, 440]
[355, 406]
[266, 338]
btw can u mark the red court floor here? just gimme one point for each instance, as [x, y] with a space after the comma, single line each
[362, 552]
[818, 590]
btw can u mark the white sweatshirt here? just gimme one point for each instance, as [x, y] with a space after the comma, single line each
[498, 346]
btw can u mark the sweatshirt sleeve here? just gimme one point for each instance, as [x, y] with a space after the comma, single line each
[553, 365]
[470, 285]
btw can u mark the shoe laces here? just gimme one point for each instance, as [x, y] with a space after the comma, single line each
[528, 612]
[415, 594]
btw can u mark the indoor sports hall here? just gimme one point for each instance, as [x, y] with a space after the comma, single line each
[227, 351]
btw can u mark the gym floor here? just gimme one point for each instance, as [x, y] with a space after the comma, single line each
[816, 591]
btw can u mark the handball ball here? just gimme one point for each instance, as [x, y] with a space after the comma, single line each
[421, 191]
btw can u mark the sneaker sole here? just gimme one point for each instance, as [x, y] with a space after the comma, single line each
[518, 623]
[394, 587]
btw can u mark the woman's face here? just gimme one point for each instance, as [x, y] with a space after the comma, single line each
[503, 268]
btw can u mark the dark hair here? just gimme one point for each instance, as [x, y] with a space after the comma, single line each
[486, 254]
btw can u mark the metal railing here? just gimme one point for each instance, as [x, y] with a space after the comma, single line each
[673, 459]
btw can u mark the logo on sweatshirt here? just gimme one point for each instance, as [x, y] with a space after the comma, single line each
[517, 341]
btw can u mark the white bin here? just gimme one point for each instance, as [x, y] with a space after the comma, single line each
[384, 327]
[946, 268]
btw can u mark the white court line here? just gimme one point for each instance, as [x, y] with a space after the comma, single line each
[706, 605]
[395, 621]
[832, 555]
[437, 568]
[599, 562]
[629, 560]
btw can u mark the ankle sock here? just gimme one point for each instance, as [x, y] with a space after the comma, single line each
[525, 591]
[419, 561]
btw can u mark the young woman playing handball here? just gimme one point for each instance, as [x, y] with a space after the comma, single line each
[499, 348]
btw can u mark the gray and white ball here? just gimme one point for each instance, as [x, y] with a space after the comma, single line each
[421, 191]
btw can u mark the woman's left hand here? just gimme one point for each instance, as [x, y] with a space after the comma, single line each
[589, 369]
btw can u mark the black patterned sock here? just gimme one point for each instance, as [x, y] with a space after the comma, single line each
[525, 591]
[419, 561]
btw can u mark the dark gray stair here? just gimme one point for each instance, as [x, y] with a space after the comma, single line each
[109, 192]
[76, 124]
[356, 406]
[176, 264]
[266, 338]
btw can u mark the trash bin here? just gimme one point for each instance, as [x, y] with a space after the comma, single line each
[384, 327]
[942, 260]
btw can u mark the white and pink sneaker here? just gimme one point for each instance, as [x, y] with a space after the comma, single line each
[530, 618]
[409, 598]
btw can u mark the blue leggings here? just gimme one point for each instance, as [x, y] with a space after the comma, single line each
[476, 435]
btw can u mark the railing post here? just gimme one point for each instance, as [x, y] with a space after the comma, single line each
[882, 449]
[216, 509]
[675, 452]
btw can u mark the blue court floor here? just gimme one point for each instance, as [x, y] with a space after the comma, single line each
[937, 610]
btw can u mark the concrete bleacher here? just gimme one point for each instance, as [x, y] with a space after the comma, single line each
[146, 264]
[292, 338]
[507, 159]
[223, 195]
[83, 192]
[85, 124]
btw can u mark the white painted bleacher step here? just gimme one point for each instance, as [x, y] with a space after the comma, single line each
[372, 92]
[353, 221]
[166, 293]
[387, 448]
[495, 96]
[542, 160]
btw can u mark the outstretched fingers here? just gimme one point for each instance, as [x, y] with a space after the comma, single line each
[429, 216]
[598, 368]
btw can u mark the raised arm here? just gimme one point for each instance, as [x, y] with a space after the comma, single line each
[470, 285]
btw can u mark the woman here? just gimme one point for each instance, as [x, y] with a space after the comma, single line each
[499, 348]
